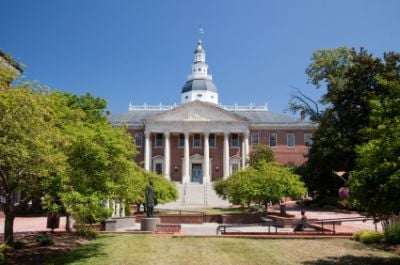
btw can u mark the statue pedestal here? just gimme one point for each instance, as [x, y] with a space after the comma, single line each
[149, 223]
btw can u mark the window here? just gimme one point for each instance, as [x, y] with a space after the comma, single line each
[181, 140]
[196, 140]
[235, 167]
[158, 168]
[308, 141]
[138, 139]
[273, 139]
[211, 140]
[159, 140]
[234, 140]
[254, 138]
[290, 139]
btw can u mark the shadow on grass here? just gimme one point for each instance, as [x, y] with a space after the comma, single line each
[355, 260]
[93, 249]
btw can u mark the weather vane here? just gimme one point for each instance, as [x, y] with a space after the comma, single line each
[201, 31]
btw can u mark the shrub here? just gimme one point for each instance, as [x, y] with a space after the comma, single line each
[369, 237]
[86, 232]
[392, 233]
[20, 244]
[357, 235]
[44, 240]
[3, 247]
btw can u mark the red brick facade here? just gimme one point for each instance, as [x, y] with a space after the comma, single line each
[295, 155]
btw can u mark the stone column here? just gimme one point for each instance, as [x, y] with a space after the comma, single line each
[226, 155]
[206, 163]
[243, 152]
[122, 210]
[147, 151]
[167, 158]
[185, 175]
[246, 146]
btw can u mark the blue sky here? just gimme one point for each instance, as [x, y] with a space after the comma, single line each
[141, 51]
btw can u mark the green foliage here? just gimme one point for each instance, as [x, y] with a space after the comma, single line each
[20, 244]
[86, 232]
[376, 179]
[220, 188]
[3, 248]
[261, 153]
[352, 82]
[392, 233]
[85, 209]
[267, 182]
[44, 240]
[370, 237]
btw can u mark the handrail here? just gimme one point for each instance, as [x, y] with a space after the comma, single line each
[334, 221]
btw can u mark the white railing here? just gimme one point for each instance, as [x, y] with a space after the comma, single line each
[245, 107]
[235, 107]
[145, 106]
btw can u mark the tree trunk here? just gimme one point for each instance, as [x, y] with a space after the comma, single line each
[68, 224]
[9, 227]
[266, 207]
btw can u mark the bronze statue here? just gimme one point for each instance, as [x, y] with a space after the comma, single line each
[150, 199]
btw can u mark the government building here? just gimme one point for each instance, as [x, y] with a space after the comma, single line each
[200, 140]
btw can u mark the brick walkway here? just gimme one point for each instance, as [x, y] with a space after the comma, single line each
[35, 224]
[31, 224]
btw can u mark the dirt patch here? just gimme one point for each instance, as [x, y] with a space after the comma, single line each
[33, 253]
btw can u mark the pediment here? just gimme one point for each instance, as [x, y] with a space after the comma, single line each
[197, 111]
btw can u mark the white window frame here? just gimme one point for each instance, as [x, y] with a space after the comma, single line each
[252, 137]
[193, 140]
[276, 140]
[158, 160]
[156, 145]
[308, 138]
[287, 140]
[179, 140]
[135, 136]
[238, 140]
[215, 140]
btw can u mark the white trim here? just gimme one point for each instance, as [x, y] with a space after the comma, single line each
[287, 140]
[276, 139]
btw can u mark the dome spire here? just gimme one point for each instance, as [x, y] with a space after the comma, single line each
[200, 85]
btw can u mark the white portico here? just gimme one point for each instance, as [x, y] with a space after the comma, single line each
[197, 121]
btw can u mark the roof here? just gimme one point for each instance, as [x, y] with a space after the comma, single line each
[11, 61]
[199, 84]
[256, 117]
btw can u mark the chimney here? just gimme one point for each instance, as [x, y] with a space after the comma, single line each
[302, 115]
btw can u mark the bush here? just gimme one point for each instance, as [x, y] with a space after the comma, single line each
[392, 233]
[369, 237]
[86, 232]
[20, 244]
[44, 240]
[3, 247]
[357, 235]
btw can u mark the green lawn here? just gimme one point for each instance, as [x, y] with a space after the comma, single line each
[144, 249]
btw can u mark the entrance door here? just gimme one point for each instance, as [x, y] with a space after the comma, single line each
[197, 174]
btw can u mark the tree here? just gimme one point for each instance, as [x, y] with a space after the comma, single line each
[28, 144]
[376, 180]
[268, 182]
[100, 165]
[261, 153]
[350, 79]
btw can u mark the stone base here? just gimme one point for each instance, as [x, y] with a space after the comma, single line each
[149, 223]
[113, 224]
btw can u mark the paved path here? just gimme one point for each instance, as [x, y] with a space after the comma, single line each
[31, 224]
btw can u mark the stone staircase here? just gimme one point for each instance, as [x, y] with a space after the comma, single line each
[192, 195]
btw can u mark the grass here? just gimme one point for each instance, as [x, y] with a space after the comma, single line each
[144, 249]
